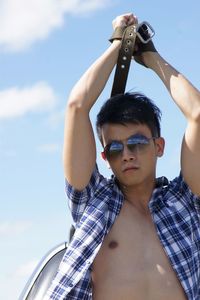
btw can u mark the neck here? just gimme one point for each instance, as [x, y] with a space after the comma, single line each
[139, 195]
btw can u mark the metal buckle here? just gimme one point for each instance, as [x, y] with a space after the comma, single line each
[145, 32]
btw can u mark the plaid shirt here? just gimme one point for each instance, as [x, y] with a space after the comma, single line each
[175, 212]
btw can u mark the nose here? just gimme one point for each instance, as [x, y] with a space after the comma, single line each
[127, 154]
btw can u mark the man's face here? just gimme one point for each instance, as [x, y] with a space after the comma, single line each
[134, 164]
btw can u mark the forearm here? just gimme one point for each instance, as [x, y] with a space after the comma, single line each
[185, 95]
[79, 153]
[89, 87]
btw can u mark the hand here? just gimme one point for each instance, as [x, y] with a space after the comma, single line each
[120, 23]
[124, 20]
[141, 49]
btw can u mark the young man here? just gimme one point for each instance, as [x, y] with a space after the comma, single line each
[136, 238]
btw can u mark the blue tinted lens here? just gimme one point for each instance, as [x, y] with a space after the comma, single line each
[138, 139]
[116, 146]
[113, 149]
[135, 143]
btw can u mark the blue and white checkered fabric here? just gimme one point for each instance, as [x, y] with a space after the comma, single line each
[175, 212]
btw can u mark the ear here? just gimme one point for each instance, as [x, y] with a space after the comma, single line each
[160, 146]
[103, 156]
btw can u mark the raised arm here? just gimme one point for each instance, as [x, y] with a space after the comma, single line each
[187, 97]
[79, 153]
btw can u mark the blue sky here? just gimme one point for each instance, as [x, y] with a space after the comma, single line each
[45, 46]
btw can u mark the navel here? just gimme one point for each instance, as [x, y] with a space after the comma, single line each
[113, 245]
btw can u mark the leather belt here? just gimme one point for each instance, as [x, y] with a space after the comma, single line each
[124, 60]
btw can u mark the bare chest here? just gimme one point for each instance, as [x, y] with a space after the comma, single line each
[133, 261]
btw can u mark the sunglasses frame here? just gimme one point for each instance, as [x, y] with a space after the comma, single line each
[140, 139]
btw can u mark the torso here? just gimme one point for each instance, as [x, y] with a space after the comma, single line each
[131, 264]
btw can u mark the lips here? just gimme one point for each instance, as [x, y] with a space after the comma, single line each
[129, 168]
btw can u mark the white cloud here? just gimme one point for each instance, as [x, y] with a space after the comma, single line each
[13, 278]
[10, 229]
[23, 22]
[16, 102]
[80, 6]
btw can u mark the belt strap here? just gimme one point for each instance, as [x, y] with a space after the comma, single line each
[124, 60]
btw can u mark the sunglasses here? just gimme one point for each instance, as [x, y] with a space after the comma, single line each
[136, 144]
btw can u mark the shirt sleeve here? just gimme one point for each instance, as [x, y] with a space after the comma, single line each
[79, 199]
[185, 194]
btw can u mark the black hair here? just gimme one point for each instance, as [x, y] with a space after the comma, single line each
[133, 108]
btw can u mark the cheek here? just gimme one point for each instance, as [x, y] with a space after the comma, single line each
[148, 161]
[115, 167]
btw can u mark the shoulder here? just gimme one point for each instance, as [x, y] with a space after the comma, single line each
[97, 193]
[97, 183]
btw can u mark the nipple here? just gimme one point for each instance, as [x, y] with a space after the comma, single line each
[113, 245]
